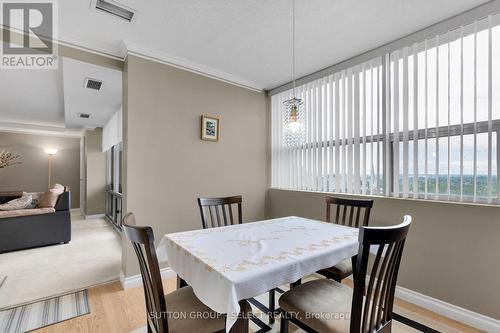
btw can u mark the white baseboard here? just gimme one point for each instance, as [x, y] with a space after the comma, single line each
[136, 280]
[448, 310]
[435, 305]
[445, 309]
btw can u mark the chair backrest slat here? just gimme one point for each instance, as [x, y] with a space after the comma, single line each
[211, 215]
[351, 207]
[224, 215]
[380, 287]
[219, 205]
[142, 239]
[231, 214]
[373, 300]
[217, 208]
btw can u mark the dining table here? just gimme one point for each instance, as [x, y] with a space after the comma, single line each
[228, 264]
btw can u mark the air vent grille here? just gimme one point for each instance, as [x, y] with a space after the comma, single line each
[84, 115]
[93, 84]
[115, 9]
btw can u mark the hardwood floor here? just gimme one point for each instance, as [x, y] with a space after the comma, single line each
[114, 310]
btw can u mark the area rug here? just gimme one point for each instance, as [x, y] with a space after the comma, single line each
[43, 313]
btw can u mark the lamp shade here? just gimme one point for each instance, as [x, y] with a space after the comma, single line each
[50, 151]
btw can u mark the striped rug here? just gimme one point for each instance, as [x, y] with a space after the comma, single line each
[43, 313]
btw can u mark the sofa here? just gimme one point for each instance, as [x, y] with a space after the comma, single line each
[28, 228]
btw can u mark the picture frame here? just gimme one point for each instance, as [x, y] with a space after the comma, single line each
[209, 129]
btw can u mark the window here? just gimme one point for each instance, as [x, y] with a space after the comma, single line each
[420, 122]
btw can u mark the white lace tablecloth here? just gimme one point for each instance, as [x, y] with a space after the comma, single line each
[228, 264]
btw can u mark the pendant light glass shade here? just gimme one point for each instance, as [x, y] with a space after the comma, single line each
[293, 108]
[293, 117]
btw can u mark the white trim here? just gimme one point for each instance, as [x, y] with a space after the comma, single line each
[442, 308]
[445, 309]
[87, 45]
[136, 280]
[13, 127]
[91, 46]
[448, 310]
[131, 48]
[126, 47]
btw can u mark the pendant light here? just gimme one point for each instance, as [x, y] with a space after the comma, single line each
[293, 107]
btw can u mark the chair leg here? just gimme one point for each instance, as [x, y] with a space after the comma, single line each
[181, 283]
[284, 324]
[272, 307]
[242, 324]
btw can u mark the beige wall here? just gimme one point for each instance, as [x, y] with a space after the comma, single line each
[32, 174]
[168, 166]
[95, 173]
[452, 251]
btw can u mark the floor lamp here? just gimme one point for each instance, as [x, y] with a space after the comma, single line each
[50, 152]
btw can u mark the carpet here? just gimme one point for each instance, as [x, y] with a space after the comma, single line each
[43, 313]
[92, 257]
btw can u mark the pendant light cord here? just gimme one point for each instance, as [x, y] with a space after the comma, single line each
[293, 47]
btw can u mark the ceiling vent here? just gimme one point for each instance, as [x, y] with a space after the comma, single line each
[114, 8]
[84, 115]
[92, 84]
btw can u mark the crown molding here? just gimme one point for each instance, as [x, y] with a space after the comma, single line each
[131, 48]
[125, 48]
[13, 127]
[94, 47]
[86, 45]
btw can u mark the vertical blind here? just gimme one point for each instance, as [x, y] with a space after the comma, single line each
[112, 131]
[420, 122]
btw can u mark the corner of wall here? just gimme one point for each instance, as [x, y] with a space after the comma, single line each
[267, 208]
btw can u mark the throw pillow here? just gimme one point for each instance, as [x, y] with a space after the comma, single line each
[19, 203]
[49, 198]
[59, 187]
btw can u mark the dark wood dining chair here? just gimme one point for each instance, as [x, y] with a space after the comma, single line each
[328, 306]
[218, 212]
[182, 303]
[348, 212]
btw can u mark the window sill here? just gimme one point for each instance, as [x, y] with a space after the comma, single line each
[367, 196]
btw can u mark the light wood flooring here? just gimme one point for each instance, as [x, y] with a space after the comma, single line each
[114, 310]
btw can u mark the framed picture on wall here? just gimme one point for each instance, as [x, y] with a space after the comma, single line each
[209, 128]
